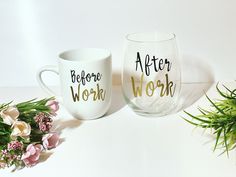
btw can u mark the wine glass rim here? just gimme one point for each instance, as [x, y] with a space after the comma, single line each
[172, 36]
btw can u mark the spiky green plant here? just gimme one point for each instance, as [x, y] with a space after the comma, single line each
[221, 118]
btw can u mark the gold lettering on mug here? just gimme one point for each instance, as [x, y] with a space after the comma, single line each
[96, 94]
[148, 65]
[137, 91]
[167, 88]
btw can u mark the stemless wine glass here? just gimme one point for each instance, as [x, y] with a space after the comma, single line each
[151, 77]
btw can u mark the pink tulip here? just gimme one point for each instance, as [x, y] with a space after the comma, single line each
[50, 140]
[31, 156]
[53, 105]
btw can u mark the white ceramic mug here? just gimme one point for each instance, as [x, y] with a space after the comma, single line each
[85, 80]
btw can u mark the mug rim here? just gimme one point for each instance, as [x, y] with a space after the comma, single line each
[130, 37]
[68, 59]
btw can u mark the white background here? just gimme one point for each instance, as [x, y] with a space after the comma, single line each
[33, 32]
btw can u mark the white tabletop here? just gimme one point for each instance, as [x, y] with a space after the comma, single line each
[123, 144]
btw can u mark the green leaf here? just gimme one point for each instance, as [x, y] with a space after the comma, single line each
[215, 105]
[3, 133]
[194, 117]
[221, 93]
[217, 138]
[225, 142]
[231, 92]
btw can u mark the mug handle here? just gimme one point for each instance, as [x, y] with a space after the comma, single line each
[42, 84]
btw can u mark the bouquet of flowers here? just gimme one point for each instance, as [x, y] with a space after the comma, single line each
[221, 119]
[25, 132]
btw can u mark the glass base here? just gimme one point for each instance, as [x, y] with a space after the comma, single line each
[151, 113]
[153, 108]
[148, 114]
